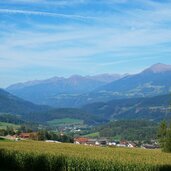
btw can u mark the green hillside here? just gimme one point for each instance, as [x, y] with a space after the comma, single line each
[36, 113]
[4, 125]
[129, 130]
[155, 108]
[14, 105]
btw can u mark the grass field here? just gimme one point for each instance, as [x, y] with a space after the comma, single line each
[51, 157]
[65, 121]
[3, 125]
[4, 140]
[92, 135]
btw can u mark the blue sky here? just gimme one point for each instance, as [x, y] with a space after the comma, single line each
[45, 38]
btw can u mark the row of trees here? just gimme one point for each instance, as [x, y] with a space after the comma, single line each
[46, 135]
[36, 134]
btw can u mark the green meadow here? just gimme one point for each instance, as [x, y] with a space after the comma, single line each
[65, 121]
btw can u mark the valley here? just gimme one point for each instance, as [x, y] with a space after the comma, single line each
[85, 85]
[124, 113]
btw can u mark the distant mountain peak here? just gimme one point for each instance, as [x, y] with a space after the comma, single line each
[76, 77]
[158, 68]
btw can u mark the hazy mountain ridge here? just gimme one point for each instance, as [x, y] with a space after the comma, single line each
[107, 78]
[158, 68]
[77, 90]
[150, 82]
[14, 105]
[60, 91]
[101, 78]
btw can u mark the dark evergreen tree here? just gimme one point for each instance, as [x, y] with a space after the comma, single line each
[162, 134]
[167, 147]
[165, 137]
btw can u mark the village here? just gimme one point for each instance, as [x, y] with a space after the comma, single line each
[99, 142]
[105, 142]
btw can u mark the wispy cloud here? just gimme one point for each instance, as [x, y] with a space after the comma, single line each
[45, 3]
[49, 14]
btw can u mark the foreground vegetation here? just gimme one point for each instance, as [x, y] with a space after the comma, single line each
[43, 156]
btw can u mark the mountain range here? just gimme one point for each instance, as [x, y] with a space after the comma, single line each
[60, 91]
[94, 99]
[150, 82]
[77, 91]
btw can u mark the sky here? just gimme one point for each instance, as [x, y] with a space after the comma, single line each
[40, 39]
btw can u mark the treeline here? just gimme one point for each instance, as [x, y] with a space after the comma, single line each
[129, 130]
[42, 117]
[36, 133]
[9, 118]
[46, 135]
[25, 127]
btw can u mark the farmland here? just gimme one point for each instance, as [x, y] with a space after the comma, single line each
[93, 135]
[32, 155]
[65, 121]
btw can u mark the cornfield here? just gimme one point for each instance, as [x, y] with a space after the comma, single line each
[32, 155]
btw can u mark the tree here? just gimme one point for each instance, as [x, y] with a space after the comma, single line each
[167, 146]
[164, 136]
[162, 133]
[3, 132]
[41, 135]
[10, 130]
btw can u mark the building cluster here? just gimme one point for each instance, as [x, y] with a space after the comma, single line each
[103, 142]
[106, 142]
[21, 136]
